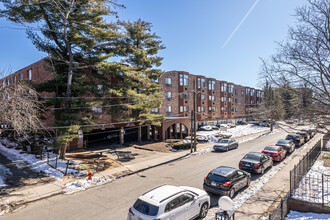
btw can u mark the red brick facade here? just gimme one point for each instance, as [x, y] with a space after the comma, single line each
[215, 100]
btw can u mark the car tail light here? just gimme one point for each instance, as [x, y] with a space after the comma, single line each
[204, 178]
[130, 211]
[240, 163]
[227, 183]
[256, 166]
[297, 139]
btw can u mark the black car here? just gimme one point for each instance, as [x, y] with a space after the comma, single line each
[305, 134]
[310, 131]
[287, 144]
[226, 181]
[255, 162]
[296, 138]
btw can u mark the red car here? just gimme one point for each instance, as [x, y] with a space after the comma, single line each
[278, 153]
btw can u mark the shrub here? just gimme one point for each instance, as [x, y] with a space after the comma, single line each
[181, 145]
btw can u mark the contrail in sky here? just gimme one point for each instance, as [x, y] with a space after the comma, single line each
[239, 25]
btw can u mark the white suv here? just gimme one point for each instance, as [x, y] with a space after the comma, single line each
[170, 203]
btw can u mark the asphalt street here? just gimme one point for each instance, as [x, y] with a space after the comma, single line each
[112, 201]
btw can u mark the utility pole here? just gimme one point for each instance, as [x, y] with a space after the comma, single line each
[195, 127]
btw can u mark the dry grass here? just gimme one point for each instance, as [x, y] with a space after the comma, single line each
[93, 161]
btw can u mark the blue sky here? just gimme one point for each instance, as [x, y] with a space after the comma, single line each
[196, 35]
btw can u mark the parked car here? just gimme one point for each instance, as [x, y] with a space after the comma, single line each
[225, 145]
[167, 201]
[255, 162]
[226, 181]
[287, 144]
[310, 131]
[305, 134]
[206, 128]
[278, 153]
[296, 138]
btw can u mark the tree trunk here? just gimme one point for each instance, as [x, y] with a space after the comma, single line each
[63, 151]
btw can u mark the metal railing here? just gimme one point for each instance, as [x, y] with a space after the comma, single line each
[297, 174]
[300, 170]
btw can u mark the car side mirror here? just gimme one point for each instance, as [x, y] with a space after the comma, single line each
[195, 198]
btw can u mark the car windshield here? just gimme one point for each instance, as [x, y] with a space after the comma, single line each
[271, 148]
[224, 141]
[282, 142]
[145, 208]
[252, 157]
[291, 136]
[215, 177]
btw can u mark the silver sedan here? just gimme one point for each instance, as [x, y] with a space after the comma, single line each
[225, 145]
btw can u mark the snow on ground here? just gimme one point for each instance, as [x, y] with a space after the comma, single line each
[238, 131]
[4, 173]
[293, 215]
[21, 159]
[85, 183]
[310, 186]
[257, 184]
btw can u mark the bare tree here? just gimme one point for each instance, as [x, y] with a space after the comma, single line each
[303, 59]
[20, 107]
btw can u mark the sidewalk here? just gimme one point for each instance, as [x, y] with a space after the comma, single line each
[21, 197]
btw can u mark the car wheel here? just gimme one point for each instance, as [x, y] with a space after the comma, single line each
[231, 193]
[236, 146]
[227, 149]
[204, 210]
[262, 170]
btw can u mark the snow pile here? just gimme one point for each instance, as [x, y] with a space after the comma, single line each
[293, 215]
[310, 186]
[238, 131]
[21, 159]
[4, 173]
[85, 183]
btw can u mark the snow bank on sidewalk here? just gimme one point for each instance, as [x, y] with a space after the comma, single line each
[293, 215]
[4, 173]
[85, 183]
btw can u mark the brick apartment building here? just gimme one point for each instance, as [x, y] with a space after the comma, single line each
[216, 102]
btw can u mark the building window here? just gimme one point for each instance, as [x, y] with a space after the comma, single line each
[203, 108]
[168, 81]
[252, 92]
[223, 87]
[229, 109]
[213, 109]
[154, 110]
[230, 88]
[186, 95]
[235, 91]
[97, 109]
[181, 108]
[21, 76]
[222, 109]
[181, 79]
[229, 99]
[235, 109]
[186, 108]
[14, 79]
[247, 91]
[203, 83]
[3, 84]
[185, 80]
[236, 100]
[211, 85]
[155, 80]
[100, 89]
[198, 83]
[29, 74]
[168, 109]
[203, 97]
[8, 82]
[223, 99]
[199, 109]
[168, 95]
[210, 109]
